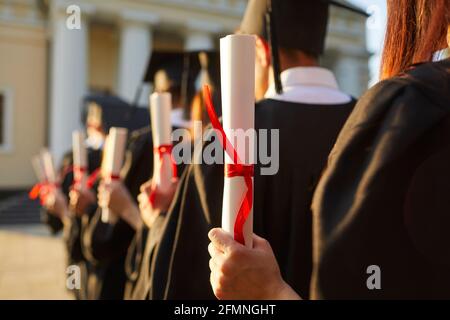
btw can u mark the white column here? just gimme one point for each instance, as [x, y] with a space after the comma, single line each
[68, 82]
[135, 50]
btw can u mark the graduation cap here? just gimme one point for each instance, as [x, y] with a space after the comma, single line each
[105, 111]
[173, 69]
[291, 24]
[169, 62]
[182, 69]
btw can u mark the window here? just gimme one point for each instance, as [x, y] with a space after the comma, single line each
[5, 120]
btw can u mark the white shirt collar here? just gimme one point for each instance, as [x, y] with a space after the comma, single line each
[312, 85]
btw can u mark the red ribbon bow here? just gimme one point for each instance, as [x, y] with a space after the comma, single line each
[41, 190]
[237, 169]
[91, 179]
[113, 177]
[77, 173]
[162, 150]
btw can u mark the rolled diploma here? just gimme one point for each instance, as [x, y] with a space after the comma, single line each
[237, 65]
[160, 109]
[49, 166]
[50, 172]
[79, 156]
[113, 159]
[38, 167]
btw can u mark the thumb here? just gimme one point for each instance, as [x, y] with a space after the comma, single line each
[221, 239]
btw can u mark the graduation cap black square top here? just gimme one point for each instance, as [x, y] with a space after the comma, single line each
[291, 24]
[299, 24]
[170, 62]
[181, 70]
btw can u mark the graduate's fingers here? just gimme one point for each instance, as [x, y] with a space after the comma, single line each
[146, 186]
[143, 201]
[213, 280]
[222, 240]
[101, 187]
[212, 265]
[260, 243]
[213, 250]
[73, 197]
[103, 199]
[219, 285]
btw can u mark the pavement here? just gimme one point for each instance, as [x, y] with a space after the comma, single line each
[32, 264]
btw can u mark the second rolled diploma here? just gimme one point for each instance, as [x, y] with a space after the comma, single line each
[113, 156]
[80, 160]
[164, 170]
[237, 66]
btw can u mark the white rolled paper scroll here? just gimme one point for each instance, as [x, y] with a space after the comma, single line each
[38, 167]
[49, 166]
[80, 161]
[113, 159]
[50, 174]
[237, 66]
[160, 110]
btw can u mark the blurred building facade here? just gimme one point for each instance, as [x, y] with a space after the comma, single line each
[46, 68]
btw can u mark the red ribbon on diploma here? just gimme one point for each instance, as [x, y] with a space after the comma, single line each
[162, 150]
[237, 169]
[92, 179]
[113, 177]
[41, 190]
[78, 172]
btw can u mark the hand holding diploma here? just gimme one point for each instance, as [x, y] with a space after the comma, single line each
[116, 197]
[48, 189]
[80, 200]
[112, 162]
[161, 201]
[242, 273]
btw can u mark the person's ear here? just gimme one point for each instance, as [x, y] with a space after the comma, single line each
[262, 52]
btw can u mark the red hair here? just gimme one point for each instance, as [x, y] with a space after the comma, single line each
[415, 30]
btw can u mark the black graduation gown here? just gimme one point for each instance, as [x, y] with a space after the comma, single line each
[138, 266]
[107, 244]
[281, 203]
[384, 198]
[73, 237]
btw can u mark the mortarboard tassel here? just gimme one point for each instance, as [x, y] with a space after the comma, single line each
[273, 43]
[185, 85]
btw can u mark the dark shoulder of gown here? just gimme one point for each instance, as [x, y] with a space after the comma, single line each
[383, 201]
[107, 244]
[281, 202]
